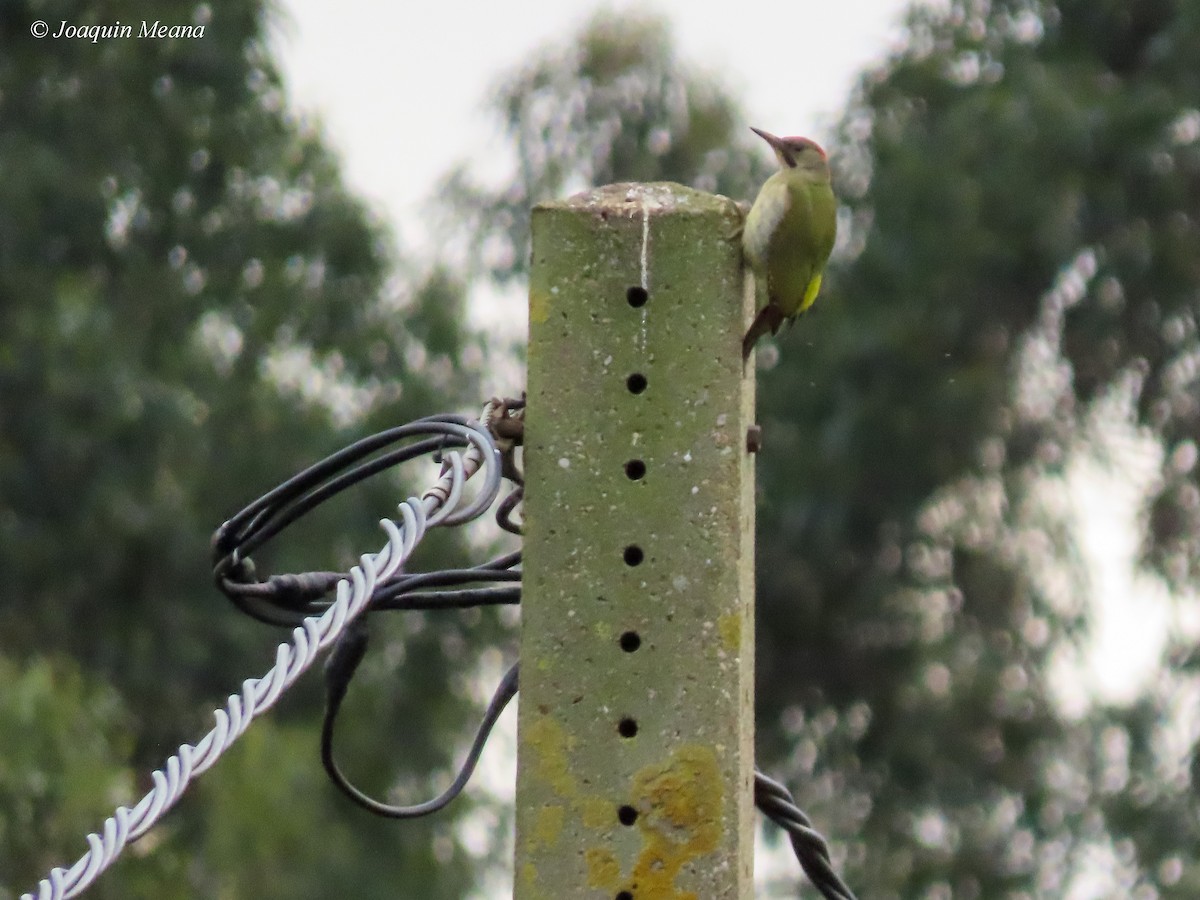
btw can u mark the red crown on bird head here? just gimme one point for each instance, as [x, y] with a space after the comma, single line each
[796, 142]
[789, 145]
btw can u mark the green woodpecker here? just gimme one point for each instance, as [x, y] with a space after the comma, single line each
[789, 233]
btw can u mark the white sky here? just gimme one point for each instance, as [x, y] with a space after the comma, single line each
[401, 86]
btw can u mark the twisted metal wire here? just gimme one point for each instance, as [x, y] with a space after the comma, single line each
[376, 583]
[438, 506]
[776, 803]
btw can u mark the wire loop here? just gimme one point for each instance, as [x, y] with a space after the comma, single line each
[504, 693]
[378, 583]
[272, 601]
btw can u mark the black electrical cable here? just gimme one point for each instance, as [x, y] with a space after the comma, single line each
[389, 595]
[505, 510]
[278, 508]
[294, 596]
[288, 598]
[238, 530]
[468, 599]
[338, 671]
[270, 521]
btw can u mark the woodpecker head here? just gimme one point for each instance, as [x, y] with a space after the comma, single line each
[796, 152]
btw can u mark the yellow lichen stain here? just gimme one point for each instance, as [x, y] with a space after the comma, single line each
[549, 825]
[596, 811]
[539, 306]
[529, 876]
[550, 747]
[603, 630]
[548, 740]
[680, 803]
[729, 626]
[603, 870]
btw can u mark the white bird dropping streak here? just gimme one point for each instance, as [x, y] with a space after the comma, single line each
[645, 248]
[645, 261]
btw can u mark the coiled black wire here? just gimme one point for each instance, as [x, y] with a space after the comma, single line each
[288, 598]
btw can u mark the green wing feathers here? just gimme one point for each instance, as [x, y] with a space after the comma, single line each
[787, 240]
[801, 244]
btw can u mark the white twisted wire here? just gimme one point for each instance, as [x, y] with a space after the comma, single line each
[314, 634]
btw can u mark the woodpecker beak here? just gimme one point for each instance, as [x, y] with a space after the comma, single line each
[781, 149]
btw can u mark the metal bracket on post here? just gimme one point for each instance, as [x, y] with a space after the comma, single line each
[635, 759]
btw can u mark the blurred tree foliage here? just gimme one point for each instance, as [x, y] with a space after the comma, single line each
[185, 284]
[1018, 278]
[193, 307]
[615, 104]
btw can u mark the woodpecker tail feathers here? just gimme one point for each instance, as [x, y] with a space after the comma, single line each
[769, 318]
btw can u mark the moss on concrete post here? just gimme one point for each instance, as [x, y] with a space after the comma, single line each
[636, 706]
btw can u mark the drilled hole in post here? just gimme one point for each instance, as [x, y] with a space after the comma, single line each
[637, 296]
[634, 555]
[627, 727]
[635, 469]
[627, 815]
[636, 383]
[624, 895]
[630, 641]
